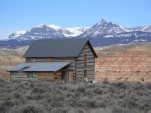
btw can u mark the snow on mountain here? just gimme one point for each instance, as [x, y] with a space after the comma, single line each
[102, 33]
[17, 34]
[102, 28]
[52, 26]
[75, 31]
[47, 31]
[67, 32]
[146, 28]
[106, 27]
[20, 32]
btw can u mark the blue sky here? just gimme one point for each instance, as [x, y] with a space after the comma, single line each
[24, 14]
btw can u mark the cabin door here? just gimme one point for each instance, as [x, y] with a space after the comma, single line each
[67, 76]
[64, 76]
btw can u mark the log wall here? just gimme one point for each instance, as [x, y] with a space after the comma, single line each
[23, 76]
[49, 76]
[85, 63]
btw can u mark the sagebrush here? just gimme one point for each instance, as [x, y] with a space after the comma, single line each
[48, 97]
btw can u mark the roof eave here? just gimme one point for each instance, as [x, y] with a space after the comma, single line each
[96, 56]
[88, 42]
[50, 57]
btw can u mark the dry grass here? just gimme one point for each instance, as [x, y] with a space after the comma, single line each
[9, 58]
[46, 97]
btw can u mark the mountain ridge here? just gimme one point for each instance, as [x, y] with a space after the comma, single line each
[102, 33]
[47, 31]
[102, 27]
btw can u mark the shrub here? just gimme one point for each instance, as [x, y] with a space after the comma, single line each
[48, 97]
[29, 108]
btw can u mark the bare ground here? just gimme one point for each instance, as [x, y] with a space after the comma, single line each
[124, 63]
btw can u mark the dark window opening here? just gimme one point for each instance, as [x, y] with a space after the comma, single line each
[85, 75]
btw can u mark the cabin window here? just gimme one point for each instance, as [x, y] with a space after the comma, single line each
[85, 75]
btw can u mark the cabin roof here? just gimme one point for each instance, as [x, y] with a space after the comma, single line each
[57, 48]
[40, 67]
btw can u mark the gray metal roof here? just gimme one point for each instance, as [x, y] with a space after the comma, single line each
[40, 66]
[56, 48]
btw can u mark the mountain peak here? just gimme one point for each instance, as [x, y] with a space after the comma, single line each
[105, 23]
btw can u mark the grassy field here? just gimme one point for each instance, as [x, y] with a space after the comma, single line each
[47, 97]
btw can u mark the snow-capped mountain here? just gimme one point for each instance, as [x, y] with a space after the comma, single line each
[101, 34]
[47, 31]
[108, 29]
[107, 33]
[17, 34]
[121, 38]
[103, 28]
[146, 28]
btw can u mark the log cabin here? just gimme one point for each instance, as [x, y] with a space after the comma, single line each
[57, 60]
